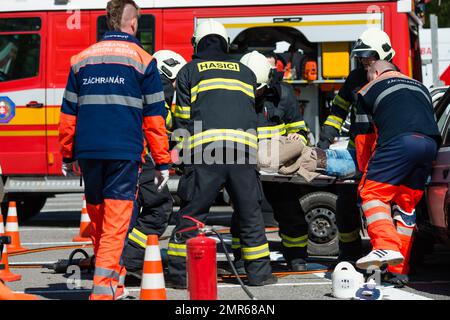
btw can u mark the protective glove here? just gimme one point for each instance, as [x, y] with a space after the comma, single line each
[161, 179]
[70, 168]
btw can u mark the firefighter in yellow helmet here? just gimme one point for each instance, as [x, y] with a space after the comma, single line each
[216, 110]
[372, 45]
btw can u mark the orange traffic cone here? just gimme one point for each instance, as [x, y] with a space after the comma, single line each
[5, 274]
[85, 225]
[7, 294]
[153, 286]
[12, 229]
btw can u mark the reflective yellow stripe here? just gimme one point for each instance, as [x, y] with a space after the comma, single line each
[351, 143]
[269, 132]
[295, 126]
[235, 243]
[221, 83]
[138, 237]
[291, 242]
[169, 120]
[340, 102]
[225, 131]
[138, 241]
[29, 133]
[349, 236]
[334, 121]
[182, 112]
[223, 134]
[253, 253]
[178, 250]
[302, 23]
[304, 139]
[223, 138]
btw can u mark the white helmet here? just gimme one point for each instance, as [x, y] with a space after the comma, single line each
[258, 63]
[374, 43]
[169, 63]
[208, 27]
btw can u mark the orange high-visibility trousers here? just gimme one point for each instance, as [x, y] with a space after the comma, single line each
[110, 188]
[396, 177]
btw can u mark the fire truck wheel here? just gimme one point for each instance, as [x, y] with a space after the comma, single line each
[27, 207]
[320, 208]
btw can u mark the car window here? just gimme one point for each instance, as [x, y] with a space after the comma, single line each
[20, 44]
[444, 116]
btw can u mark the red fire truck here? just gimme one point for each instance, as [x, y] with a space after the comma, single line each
[38, 37]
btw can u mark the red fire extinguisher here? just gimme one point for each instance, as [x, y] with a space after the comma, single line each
[201, 264]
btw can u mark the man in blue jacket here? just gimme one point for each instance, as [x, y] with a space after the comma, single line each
[113, 91]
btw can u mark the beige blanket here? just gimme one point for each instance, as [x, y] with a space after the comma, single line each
[280, 155]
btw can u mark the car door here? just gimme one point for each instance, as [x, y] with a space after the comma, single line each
[440, 177]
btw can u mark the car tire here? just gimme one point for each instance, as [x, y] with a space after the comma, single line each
[320, 213]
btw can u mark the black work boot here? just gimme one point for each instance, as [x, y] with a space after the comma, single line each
[397, 279]
[297, 265]
[271, 279]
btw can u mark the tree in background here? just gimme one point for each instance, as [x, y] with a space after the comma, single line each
[441, 8]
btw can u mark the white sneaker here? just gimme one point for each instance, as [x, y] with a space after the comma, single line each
[379, 257]
[125, 293]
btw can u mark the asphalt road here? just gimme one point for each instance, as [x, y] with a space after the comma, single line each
[58, 223]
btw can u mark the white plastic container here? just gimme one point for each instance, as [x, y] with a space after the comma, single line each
[346, 280]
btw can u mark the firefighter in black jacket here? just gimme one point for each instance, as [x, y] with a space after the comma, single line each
[278, 115]
[215, 114]
[372, 45]
[153, 207]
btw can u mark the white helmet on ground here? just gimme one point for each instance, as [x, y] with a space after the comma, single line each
[208, 27]
[169, 63]
[258, 63]
[374, 43]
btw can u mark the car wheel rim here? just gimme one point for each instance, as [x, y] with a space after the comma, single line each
[322, 225]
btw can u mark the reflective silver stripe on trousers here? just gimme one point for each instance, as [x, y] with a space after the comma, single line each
[248, 255]
[177, 250]
[378, 216]
[104, 290]
[154, 98]
[363, 118]
[71, 96]
[102, 272]
[109, 59]
[111, 99]
[396, 88]
[375, 203]
[405, 231]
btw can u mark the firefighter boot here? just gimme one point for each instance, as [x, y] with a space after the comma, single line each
[297, 265]
[397, 279]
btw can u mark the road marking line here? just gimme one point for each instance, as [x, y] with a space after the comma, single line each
[19, 263]
[280, 284]
[397, 294]
[54, 243]
[139, 289]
